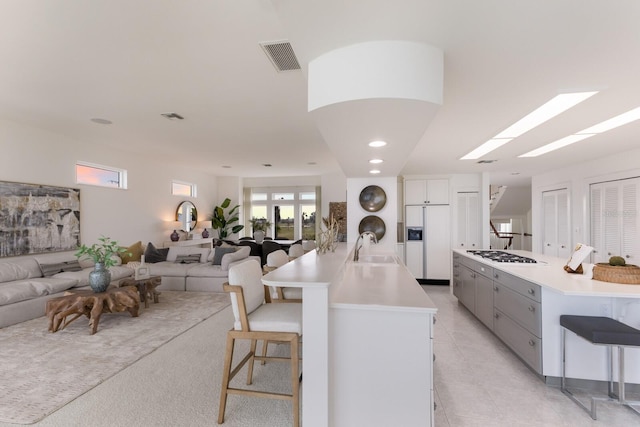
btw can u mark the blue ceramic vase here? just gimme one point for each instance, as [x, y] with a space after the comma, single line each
[99, 278]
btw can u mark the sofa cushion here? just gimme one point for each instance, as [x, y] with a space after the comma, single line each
[218, 253]
[18, 269]
[53, 285]
[174, 251]
[153, 254]
[17, 291]
[132, 253]
[170, 269]
[82, 277]
[188, 259]
[242, 253]
[207, 270]
[49, 270]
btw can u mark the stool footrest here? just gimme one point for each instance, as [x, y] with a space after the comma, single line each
[591, 410]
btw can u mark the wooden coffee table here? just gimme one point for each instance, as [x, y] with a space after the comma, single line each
[146, 288]
[91, 304]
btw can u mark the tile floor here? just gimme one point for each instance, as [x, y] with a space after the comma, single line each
[479, 382]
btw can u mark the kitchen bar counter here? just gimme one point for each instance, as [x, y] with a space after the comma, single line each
[548, 272]
[523, 308]
[357, 321]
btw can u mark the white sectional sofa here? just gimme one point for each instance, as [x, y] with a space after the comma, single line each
[202, 275]
[27, 282]
[24, 289]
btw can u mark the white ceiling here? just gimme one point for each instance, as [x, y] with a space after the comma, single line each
[64, 63]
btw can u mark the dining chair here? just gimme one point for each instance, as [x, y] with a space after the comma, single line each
[269, 246]
[281, 293]
[256, 320]
[295, 251]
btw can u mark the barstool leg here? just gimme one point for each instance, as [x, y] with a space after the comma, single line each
[563, 385]
[621, 393]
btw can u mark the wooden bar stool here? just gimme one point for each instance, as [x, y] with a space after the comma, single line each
[601, 331]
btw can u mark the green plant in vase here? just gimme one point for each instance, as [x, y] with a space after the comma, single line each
[223, 222]
[103, 255]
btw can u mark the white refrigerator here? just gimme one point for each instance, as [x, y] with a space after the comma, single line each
[428, 241]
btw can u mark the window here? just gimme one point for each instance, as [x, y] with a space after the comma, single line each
[291, 210]
[179, 188]
[103, 176]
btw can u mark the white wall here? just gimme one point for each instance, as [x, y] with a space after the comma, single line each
[141, 212]
[577, 179]
[389, 213]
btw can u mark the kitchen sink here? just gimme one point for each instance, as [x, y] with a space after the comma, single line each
[376, 259]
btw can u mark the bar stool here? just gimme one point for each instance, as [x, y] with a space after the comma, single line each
[601, 331]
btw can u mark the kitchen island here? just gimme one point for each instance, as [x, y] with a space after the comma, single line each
[367, 333]
[522, 304]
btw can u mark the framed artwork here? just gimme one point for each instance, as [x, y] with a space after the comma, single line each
[38, 219]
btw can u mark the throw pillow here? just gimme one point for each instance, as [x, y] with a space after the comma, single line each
[219, 252]
[49, 270]
[153, 254]
[132, 253]
[242, 253]
[188, 259]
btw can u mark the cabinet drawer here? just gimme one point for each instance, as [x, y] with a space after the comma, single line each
[521, 309]
[522, 342]
[528, 289]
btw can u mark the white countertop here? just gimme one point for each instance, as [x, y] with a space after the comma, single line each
[548, 272]
[362, 286]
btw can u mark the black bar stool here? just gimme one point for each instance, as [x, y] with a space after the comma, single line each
[601, 331]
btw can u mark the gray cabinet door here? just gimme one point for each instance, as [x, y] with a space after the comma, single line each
[484, 300]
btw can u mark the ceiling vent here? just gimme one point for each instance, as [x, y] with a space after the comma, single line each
[172, 116]
[281, 55]
[485, 161]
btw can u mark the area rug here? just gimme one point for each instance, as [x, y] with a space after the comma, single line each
[42, 371]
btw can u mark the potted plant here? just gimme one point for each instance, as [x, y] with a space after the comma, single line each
[102, 255]
[260, 227]
[222, 222]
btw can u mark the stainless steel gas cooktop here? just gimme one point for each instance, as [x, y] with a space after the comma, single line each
[500, 256]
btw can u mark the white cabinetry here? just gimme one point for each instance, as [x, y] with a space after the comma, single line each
[426, 192]
[468, 220]
[556, 230]
[615, 220]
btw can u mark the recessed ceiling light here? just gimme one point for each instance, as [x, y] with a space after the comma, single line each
[226, 166]
[267, 165]
[377, 144]
[101, 121]
[562, 142]
[311, 163]
[612, 123]
[515, 173]
[375, 161]
[545, 112]
[374, 171]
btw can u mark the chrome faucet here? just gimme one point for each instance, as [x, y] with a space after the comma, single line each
[370, 234]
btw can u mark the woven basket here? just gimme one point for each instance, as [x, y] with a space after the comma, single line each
[625, 274]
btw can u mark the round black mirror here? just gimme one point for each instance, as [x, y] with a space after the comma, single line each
[187, 215]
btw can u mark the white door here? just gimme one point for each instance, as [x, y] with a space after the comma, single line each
[614, 220]
[556, 231]
[468, 220]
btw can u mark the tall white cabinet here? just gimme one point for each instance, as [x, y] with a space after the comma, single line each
[556, 229]
[614, 220]
[468, 217]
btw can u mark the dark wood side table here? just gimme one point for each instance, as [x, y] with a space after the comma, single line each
[146, 288]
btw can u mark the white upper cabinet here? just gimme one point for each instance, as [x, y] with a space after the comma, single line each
[426, 192]
[615, 220]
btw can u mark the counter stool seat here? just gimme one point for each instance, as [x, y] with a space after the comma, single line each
[601, 331]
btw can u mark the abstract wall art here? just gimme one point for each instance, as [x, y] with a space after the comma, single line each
[38, 219]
